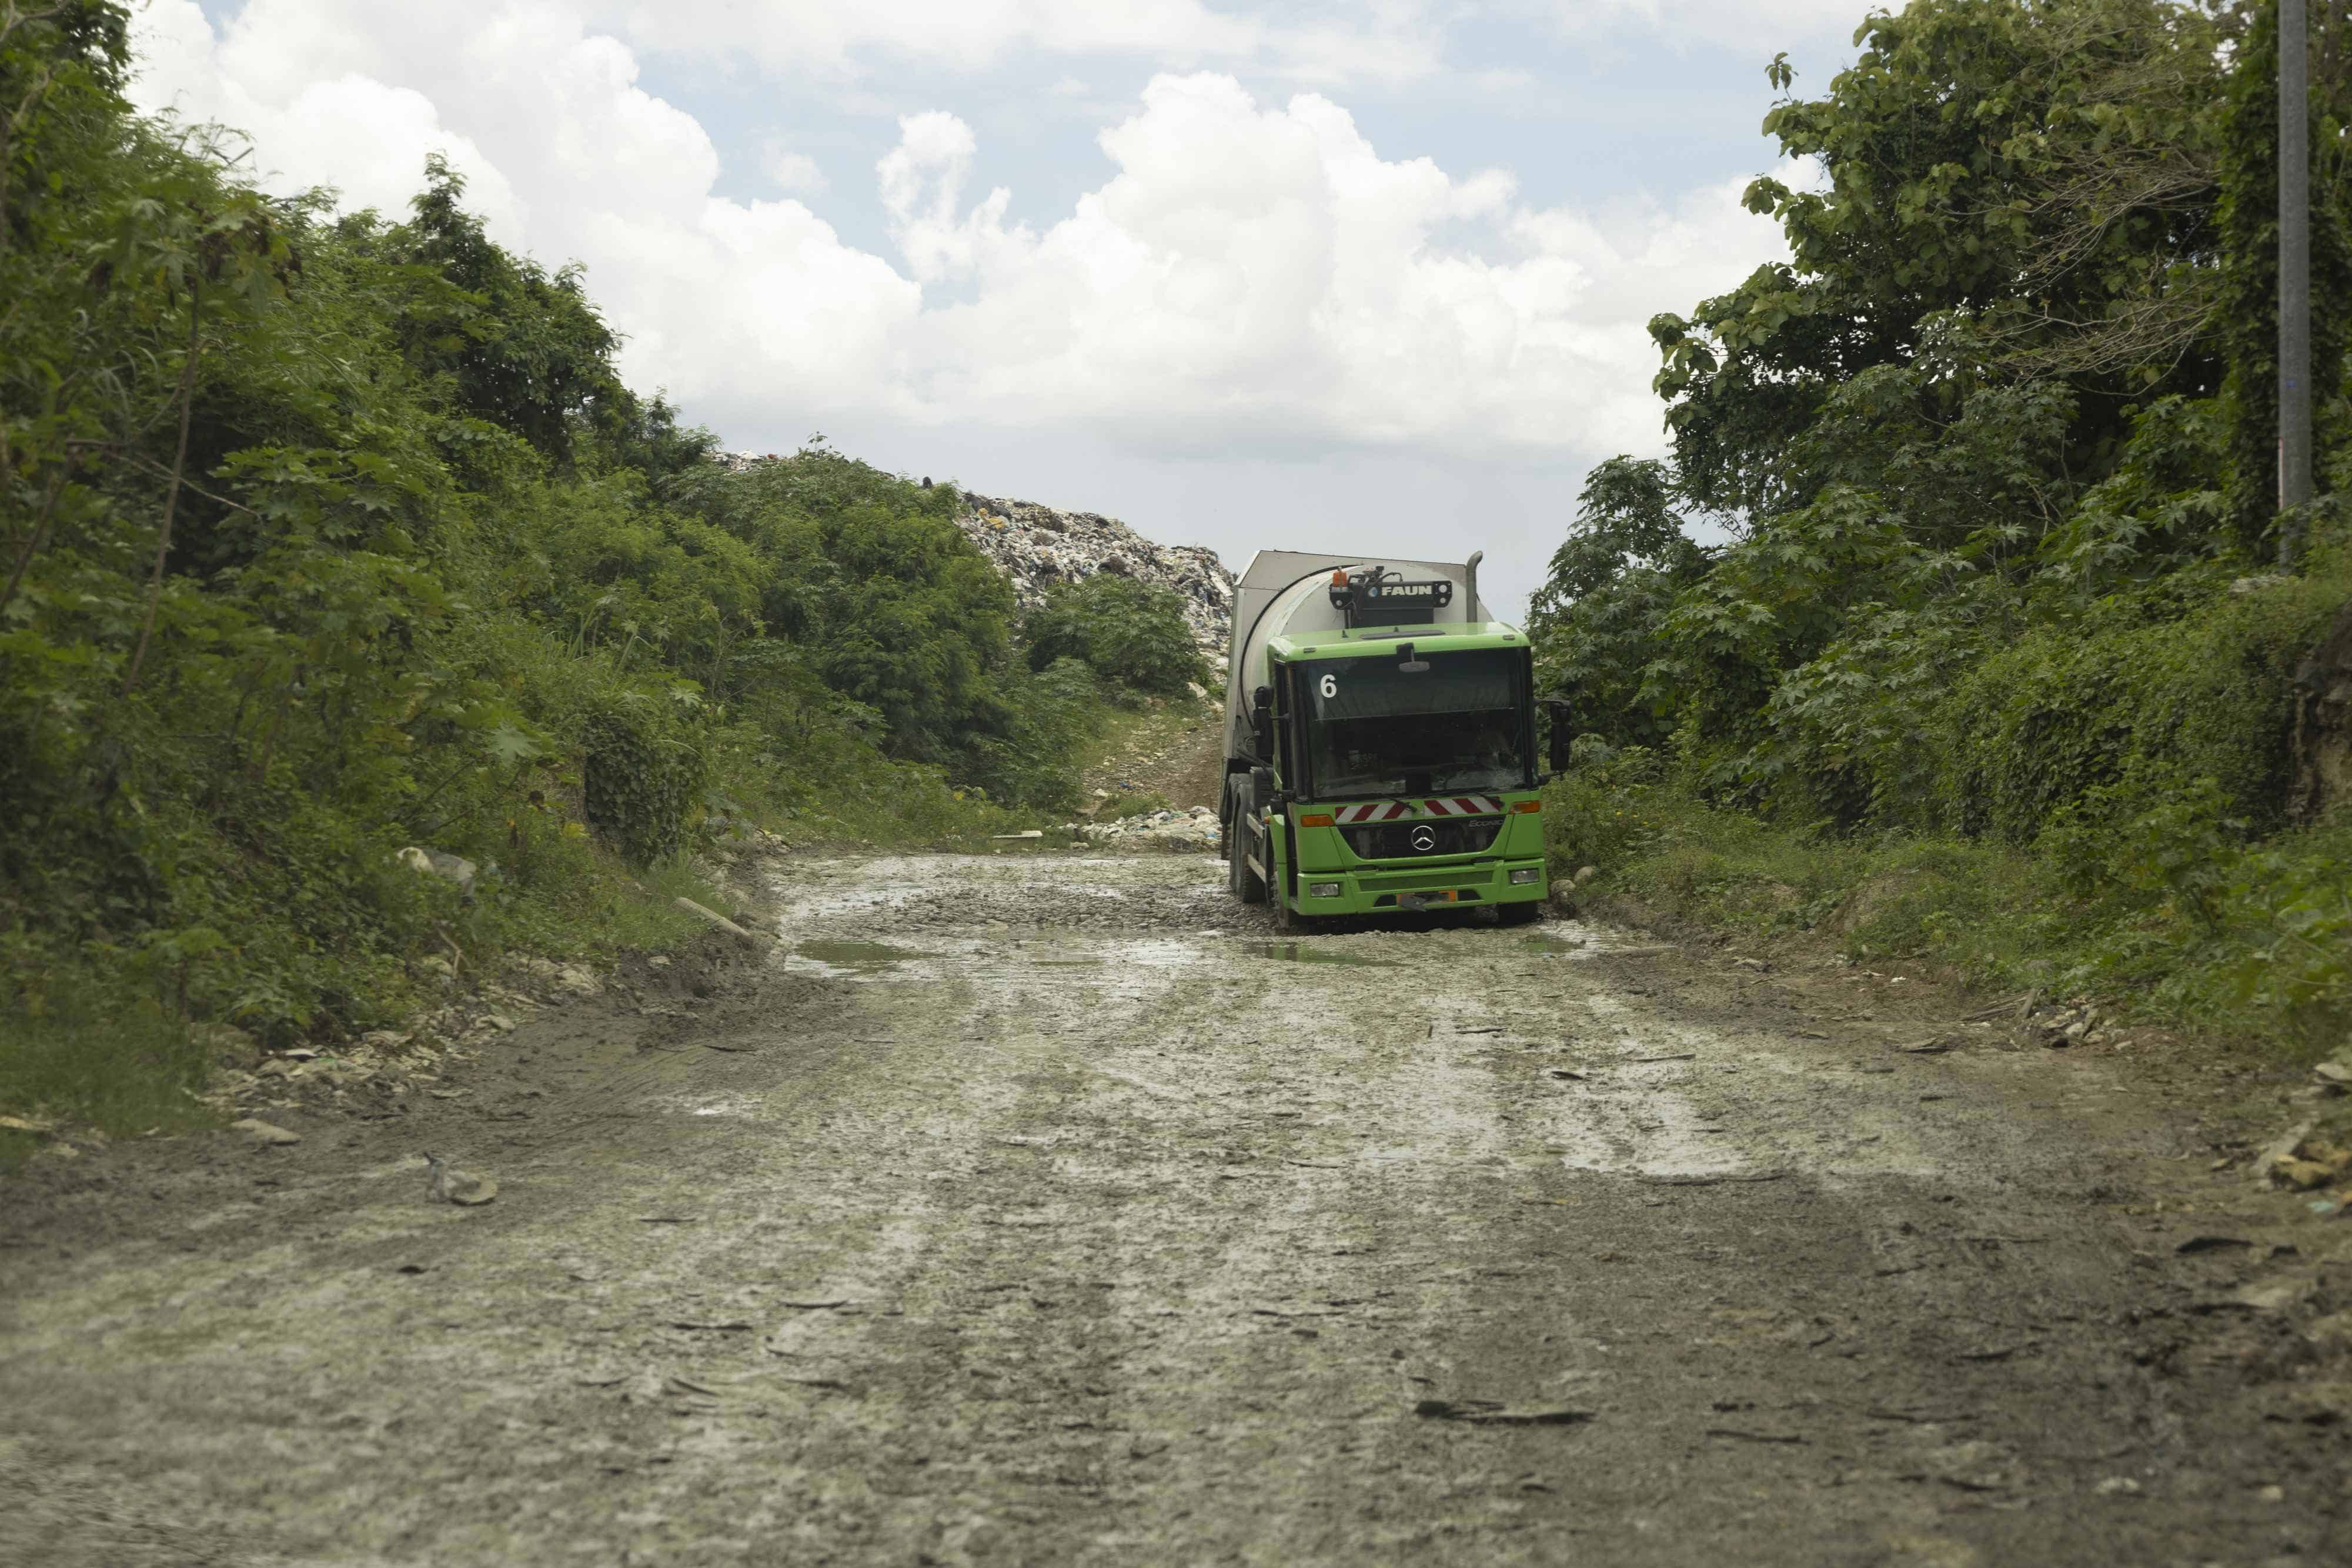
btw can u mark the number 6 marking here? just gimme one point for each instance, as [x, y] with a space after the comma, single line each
[1330, 685]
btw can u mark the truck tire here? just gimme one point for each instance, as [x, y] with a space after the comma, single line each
[1246, 883]
[1526, 914]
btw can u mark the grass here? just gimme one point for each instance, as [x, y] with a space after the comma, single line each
[121, 1074]
[2248, 943]
[1134, 728]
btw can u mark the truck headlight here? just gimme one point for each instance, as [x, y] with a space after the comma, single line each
[1322, 890]
[1524, 875]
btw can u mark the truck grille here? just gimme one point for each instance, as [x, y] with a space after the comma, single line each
[1393, 840]
[1443, 876]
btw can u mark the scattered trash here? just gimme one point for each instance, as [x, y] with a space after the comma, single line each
[2308, 1162]
[2283, 1147]
[263, 1133]
[720, 921]
[1670, 1056]
[1026, 833]
[438, 863]
[1936, 1047]
[1494, 1413]
[2117, 1486]
[450, 1184]
[1576, 1074]
[1743, 1436]
[815, 1306]
[1194, 828]
[736, 1326]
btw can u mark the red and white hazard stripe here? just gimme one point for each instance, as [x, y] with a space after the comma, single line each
[1464, 806]
[1374, 811]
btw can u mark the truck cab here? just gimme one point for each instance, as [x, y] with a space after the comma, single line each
[1381, 744]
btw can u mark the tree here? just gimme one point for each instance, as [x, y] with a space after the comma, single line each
[1126, 631]
[2012, 187]
[1596, 621]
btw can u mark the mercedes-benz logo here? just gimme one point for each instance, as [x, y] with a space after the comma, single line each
[1424, 839]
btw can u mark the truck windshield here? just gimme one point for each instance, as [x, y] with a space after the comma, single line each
[1375, 729]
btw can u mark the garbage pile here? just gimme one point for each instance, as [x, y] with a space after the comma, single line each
[1038, 546]
[1168, 829]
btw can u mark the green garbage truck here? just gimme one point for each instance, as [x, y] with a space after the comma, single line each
[1380, 743]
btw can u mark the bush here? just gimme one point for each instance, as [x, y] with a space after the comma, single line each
[1127, 631]
[2129, 707]
[642, 778]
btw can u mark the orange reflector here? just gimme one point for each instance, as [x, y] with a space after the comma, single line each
[1526, 805]
[1315, 820]
[1339, 580]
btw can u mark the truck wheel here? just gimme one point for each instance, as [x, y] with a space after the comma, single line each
[1246, 883]
[1526, 914]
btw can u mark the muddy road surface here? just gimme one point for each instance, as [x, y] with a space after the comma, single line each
[1055, 1210]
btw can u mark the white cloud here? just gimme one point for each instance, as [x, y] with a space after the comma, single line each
[790, 171]
[1391, 40]
[1711, 21]
[1251, 275]
[1261, 274]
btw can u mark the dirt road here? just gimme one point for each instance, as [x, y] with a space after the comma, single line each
[1053, 1211]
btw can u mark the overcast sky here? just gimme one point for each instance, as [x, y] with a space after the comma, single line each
[1357, 277]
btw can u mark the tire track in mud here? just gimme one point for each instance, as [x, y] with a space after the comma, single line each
[1063, 1215]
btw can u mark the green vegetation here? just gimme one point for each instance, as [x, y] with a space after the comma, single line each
[323, 536]
[1140, 803]
[1127, 631]
[1995, 665]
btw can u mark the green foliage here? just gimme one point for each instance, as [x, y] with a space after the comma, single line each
[1127, 631]
[1984, 670]
[322, 538]
[1139, 803]
[2010, 186]
[2248, 215]
[2121, 709]
[642, 778]
[1596, 622]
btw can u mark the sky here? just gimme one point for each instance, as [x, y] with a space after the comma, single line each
[1366, 278]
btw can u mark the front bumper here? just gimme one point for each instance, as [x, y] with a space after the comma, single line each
[1394, 890]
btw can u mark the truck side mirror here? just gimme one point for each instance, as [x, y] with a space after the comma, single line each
[1262, 723]
[1556, 752]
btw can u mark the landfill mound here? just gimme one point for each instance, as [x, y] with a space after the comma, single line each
[1038, 546]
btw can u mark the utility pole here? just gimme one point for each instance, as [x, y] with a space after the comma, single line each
[2293, 266]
